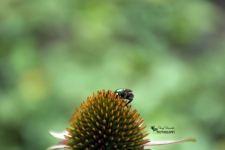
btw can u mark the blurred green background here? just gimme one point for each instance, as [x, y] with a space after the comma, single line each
[54, 54]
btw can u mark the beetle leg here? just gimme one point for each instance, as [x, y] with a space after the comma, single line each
[129, 102]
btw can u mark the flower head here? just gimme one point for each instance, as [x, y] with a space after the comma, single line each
[105, 122]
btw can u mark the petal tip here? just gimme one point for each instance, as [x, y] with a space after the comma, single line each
[57, 147]
[59, 135]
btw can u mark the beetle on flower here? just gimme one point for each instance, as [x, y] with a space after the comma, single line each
[103, 122]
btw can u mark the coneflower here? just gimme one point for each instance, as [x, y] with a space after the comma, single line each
[104, 122]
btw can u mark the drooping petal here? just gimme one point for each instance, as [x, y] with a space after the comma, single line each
[155, 143]
[60, 135]
[57, 147]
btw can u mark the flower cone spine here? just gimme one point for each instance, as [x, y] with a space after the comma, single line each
[104, 122]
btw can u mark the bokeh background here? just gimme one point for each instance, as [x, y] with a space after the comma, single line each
[54, 54]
